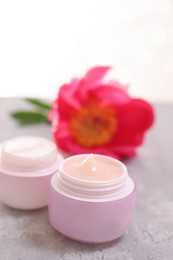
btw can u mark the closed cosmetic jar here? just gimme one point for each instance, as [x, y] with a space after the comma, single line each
[26, 166]
[91, 198]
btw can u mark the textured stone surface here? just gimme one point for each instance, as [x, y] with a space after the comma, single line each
[26, 235]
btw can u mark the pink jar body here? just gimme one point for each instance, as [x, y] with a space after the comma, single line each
[87, 221]
[23, 192]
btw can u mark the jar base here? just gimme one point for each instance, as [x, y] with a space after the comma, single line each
[90, 241]
[91, 222]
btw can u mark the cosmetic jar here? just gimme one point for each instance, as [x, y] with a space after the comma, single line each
[91, 198]
[26, 166]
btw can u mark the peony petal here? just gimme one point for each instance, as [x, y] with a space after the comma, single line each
[137, 114]
[63, 129]
[134, 119]
[66, 98]
[53, 114]
[123, 150]
[95, 75]
[62, 135]
[117, 84]
[92, 80]
[110, 95]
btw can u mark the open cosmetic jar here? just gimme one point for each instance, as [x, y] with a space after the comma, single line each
[26, 166]
[91, 198]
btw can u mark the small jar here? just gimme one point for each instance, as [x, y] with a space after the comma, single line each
[91, 198]
[26, 166]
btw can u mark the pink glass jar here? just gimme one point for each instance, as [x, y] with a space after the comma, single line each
[91, 210]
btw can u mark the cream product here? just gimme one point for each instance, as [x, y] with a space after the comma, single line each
[91, 198]
[26, 166]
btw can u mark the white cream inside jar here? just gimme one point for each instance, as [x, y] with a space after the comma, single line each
[93, 177]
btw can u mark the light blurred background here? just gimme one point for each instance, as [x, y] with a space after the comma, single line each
[45, 43]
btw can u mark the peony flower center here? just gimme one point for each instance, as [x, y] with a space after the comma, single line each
[93, 126]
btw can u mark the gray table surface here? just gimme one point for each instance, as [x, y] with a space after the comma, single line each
[26, 235]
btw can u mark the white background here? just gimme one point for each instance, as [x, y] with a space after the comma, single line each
[45, 43]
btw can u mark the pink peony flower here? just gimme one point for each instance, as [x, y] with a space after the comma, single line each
[90, 116]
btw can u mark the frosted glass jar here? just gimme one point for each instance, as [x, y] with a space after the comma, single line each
[91, 198]
[26, 166]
